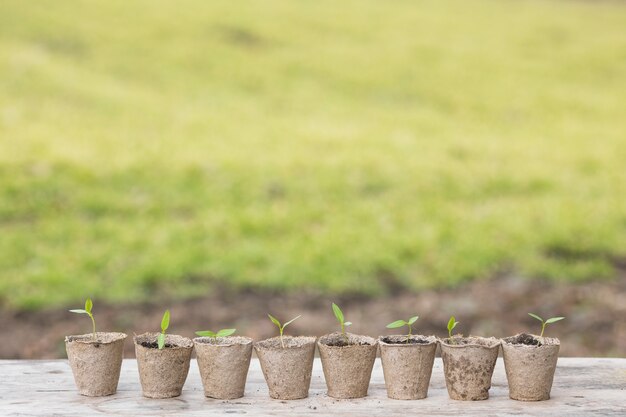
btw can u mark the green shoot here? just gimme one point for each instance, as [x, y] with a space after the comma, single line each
[281, 327]
[402, 323]
[87, 310]
[215, 335]
[451, 325]
[165, 323]
[545, 322]
[340, 319]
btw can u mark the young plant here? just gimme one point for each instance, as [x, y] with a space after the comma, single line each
[545, 322]
[281, 327]
[215, 335]
[87, 310]
[341, 320]
[451, 325]
[401, 323]
[165, 323]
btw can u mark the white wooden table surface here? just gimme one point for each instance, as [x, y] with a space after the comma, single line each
[582, 387]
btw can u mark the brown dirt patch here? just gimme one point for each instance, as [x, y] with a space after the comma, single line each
[497, 307]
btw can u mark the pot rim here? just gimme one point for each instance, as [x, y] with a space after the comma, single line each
[188, 342]
[545, 342]
[493, 342]
[430, 339]
[78, 338]
[372, 342]
[227, 341]
[262, 344]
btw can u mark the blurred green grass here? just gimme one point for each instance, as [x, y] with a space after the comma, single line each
[152, 147]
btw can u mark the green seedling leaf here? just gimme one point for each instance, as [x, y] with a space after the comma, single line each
[87, 310]
[225, 332]
[161, 340]
[291, 321]
[396, 324]
[451, 325]
[535, 316]
[165, 321]
[554, 320]
[413, 319]
[338, 313]
[274, 320]
[348, 323]
[206, 333]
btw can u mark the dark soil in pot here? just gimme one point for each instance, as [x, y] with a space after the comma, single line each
[287, 370]
[162, 372]
[530, 362]
[407, 367]
[96, 364]
[223, 364]
[468, 364]
[347, 363]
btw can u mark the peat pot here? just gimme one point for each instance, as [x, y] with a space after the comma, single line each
[162, 372]
[530, 362]
[347, 361]
[96, 364]
[223, 363]
[287, 370]
[407, 366]
[468, 364]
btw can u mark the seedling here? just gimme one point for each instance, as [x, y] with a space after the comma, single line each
[340, 319]
[401, 323]
[215, 335]
[545, 322]
[281, 327]
[165, 323]
[87, 310]
[451, 325]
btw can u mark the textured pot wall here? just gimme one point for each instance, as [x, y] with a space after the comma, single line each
[347, 369]
[223, 364]
[530, 369]
[96, 364]
[162, 373]
[287, 370]
[407, 367]
[468, 366]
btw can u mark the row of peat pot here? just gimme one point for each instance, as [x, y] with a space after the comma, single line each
[347, 362]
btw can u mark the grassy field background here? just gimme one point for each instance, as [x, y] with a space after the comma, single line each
[154, 148]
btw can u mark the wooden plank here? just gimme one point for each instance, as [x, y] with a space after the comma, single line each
[583, 387]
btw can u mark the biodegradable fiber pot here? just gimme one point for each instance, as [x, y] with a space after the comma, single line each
[223, 363]
[96, 363]
[287, 370]
[407, 366]
[347, 364]
[530, 367]
[162, 372]
[468, 365]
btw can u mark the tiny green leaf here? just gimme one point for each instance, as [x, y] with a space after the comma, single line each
[536, 317]
[348, 323]
[161, 340]
[206, 333]
[225, 332]
[452, 323]
[88, 305]
[554, 320]
[79, 311]
[291, 321]
[338, 313]
[413, 320]
[396, 324]
[274, 320]
[165, 321]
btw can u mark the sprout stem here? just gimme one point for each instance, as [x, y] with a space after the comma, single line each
[93, 322]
